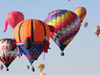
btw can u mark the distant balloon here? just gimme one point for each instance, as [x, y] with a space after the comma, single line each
[13, 18]
[8, 51]
[97, 30]
[1, 67]
[85, 24]
[66, 24]
[42, 74]
[41, 66]
[81, 12]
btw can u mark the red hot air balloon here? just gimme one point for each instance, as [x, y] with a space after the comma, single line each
[13, 18]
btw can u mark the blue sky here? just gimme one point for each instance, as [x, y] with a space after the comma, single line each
[82, 55]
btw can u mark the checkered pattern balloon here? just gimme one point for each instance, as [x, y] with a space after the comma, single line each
[66, 24]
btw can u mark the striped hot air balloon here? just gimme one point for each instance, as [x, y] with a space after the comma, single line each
[32, 38]
[41, 66]
[8, 51]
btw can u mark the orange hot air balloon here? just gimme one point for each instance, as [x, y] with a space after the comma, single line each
[81, 12]
[32, 38]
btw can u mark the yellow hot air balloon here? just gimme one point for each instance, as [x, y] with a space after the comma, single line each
[41, 66]
[81, 12]
[42, 74]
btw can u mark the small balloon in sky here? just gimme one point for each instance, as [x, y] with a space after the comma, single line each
[13, 18]
[41, 66]
[85, 24]
[97, 30]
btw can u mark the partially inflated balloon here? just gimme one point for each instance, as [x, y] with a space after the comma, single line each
[67, 25]
[13, 18]
[85, 24]
[8, 51]
[81, 12]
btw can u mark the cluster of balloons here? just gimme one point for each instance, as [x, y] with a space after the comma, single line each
[31, 36]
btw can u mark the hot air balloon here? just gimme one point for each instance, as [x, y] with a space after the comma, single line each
[13, 18]
[42, 74]
[1, 67]
[8, 51]
[81, 12]
[32, 38]
[85, 24]
[97, 30]
[41, 66]
[66, 24]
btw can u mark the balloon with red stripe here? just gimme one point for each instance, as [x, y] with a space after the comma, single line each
[8, 51]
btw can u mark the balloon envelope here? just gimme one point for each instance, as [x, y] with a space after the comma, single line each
[85, 24]
[13, 18]
[36, 32]
[42, 74]
[81, 12]
[6, 54]
[66, 24]
[41, 66]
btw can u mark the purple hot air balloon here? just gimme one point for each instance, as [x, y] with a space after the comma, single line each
[13, 18]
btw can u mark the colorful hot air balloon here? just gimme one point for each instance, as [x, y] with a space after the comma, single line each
[32, 38]
[1, 67]
[97, 30]
[42, 74]
[81, 12]
[8, 51]
[85, 24]
[13, 18]
[41, 66]
[67, 25]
